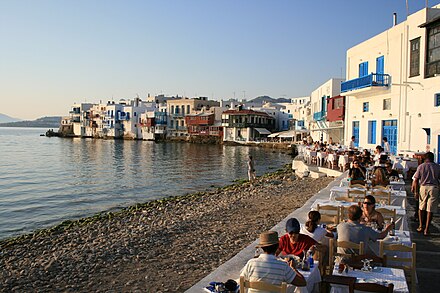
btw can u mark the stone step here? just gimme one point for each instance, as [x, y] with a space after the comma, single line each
[315, 174]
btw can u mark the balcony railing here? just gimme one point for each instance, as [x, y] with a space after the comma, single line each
[373, 79]
[317, 116]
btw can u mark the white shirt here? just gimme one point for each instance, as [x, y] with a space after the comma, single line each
[386, 147]
[318, 235]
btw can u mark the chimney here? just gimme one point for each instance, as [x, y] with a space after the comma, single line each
[394, 19]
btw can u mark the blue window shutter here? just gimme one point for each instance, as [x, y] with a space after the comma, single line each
[380, 65]
[373, 132]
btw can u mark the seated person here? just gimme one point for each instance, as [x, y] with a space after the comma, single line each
[356, 174]
[268, 268]
[366, 158]
[390, 172]
[369, 213]
[355, 232]
[379, 178]
[313, 229]
[293, 242]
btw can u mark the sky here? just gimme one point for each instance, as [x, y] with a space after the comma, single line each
[54, 53]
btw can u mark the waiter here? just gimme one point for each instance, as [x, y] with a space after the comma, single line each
[429, 175]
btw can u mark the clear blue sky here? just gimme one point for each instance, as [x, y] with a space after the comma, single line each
[55, 53]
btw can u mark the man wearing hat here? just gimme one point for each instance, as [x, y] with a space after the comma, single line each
[267, 268]
[293, 242]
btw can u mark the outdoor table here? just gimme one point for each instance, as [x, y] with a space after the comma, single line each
[320, 157]
[331, 158]
[312, 277]
[381, 274]
[401, 221]
[398, 197]
[343, 159]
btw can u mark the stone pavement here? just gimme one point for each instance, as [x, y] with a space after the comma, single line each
[428, 248]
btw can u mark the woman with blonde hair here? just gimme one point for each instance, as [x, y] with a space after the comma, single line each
[380, 178]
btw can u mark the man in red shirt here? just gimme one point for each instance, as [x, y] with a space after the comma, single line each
[293, 242]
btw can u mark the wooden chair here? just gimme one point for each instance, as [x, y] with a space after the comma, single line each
[357, 185]
[246, 284]
[384, 196]
[343, 244]
[387, 214]
[329, 214]
[382, 188]
[356, 193]
[327, 281]
[343, 213]
[409, 265]
[344, 198]
[374, 287]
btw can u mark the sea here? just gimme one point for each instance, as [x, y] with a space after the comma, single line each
[44, 181]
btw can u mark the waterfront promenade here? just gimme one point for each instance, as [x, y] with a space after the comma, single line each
[428, 248]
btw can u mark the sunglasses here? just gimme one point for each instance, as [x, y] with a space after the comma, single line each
[368, 203]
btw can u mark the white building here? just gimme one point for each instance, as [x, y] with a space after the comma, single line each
[393, 86]
[320, 128]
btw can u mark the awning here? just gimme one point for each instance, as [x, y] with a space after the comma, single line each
[328, 128]
[274, 134]
[263, 131]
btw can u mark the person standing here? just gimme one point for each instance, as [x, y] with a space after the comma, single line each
[251, 170]
[386, 146]
[351, 145]
[428, 174]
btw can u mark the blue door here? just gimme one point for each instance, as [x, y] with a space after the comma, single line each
[356, 133]
[389, 130]
[380, 69]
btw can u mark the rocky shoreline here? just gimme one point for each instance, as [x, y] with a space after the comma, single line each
[160, 246]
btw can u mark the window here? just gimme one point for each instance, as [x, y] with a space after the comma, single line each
[414, 58]
[387, 104]
[433, 52]
[365, 107]
[372, 132]
[437, 100]
[338, 103]
[363, 69]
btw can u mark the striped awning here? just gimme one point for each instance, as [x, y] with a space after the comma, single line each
[263, 131]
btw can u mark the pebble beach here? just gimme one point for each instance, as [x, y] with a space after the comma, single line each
[160, 246]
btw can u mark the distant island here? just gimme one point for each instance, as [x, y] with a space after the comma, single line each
[43, 122]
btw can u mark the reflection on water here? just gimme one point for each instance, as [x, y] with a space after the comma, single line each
[44, 181]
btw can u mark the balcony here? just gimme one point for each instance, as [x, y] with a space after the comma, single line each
[318, 116]
[374, 83]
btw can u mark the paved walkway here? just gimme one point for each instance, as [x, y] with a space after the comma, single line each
[428, 248]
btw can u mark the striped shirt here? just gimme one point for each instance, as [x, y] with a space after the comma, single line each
[269, 269]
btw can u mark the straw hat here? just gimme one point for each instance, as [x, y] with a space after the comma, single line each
[268, 238]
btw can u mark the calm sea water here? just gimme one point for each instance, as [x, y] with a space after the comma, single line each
[44, 181]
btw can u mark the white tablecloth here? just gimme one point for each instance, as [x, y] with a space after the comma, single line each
[313, 278]
[398, 197]
[401, 221]
[343, 159]
[390, 275]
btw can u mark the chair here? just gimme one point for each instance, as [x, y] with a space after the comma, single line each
[343, 244]
[383, 188]
[409, 263]
[356, 193]
[246, 284]
[357, 186]
[384, 196]
[344, 198]
[387, 214]
[327, 281]
[374, 287]
[329, 214]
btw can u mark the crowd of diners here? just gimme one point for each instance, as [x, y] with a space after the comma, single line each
[363, 222]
